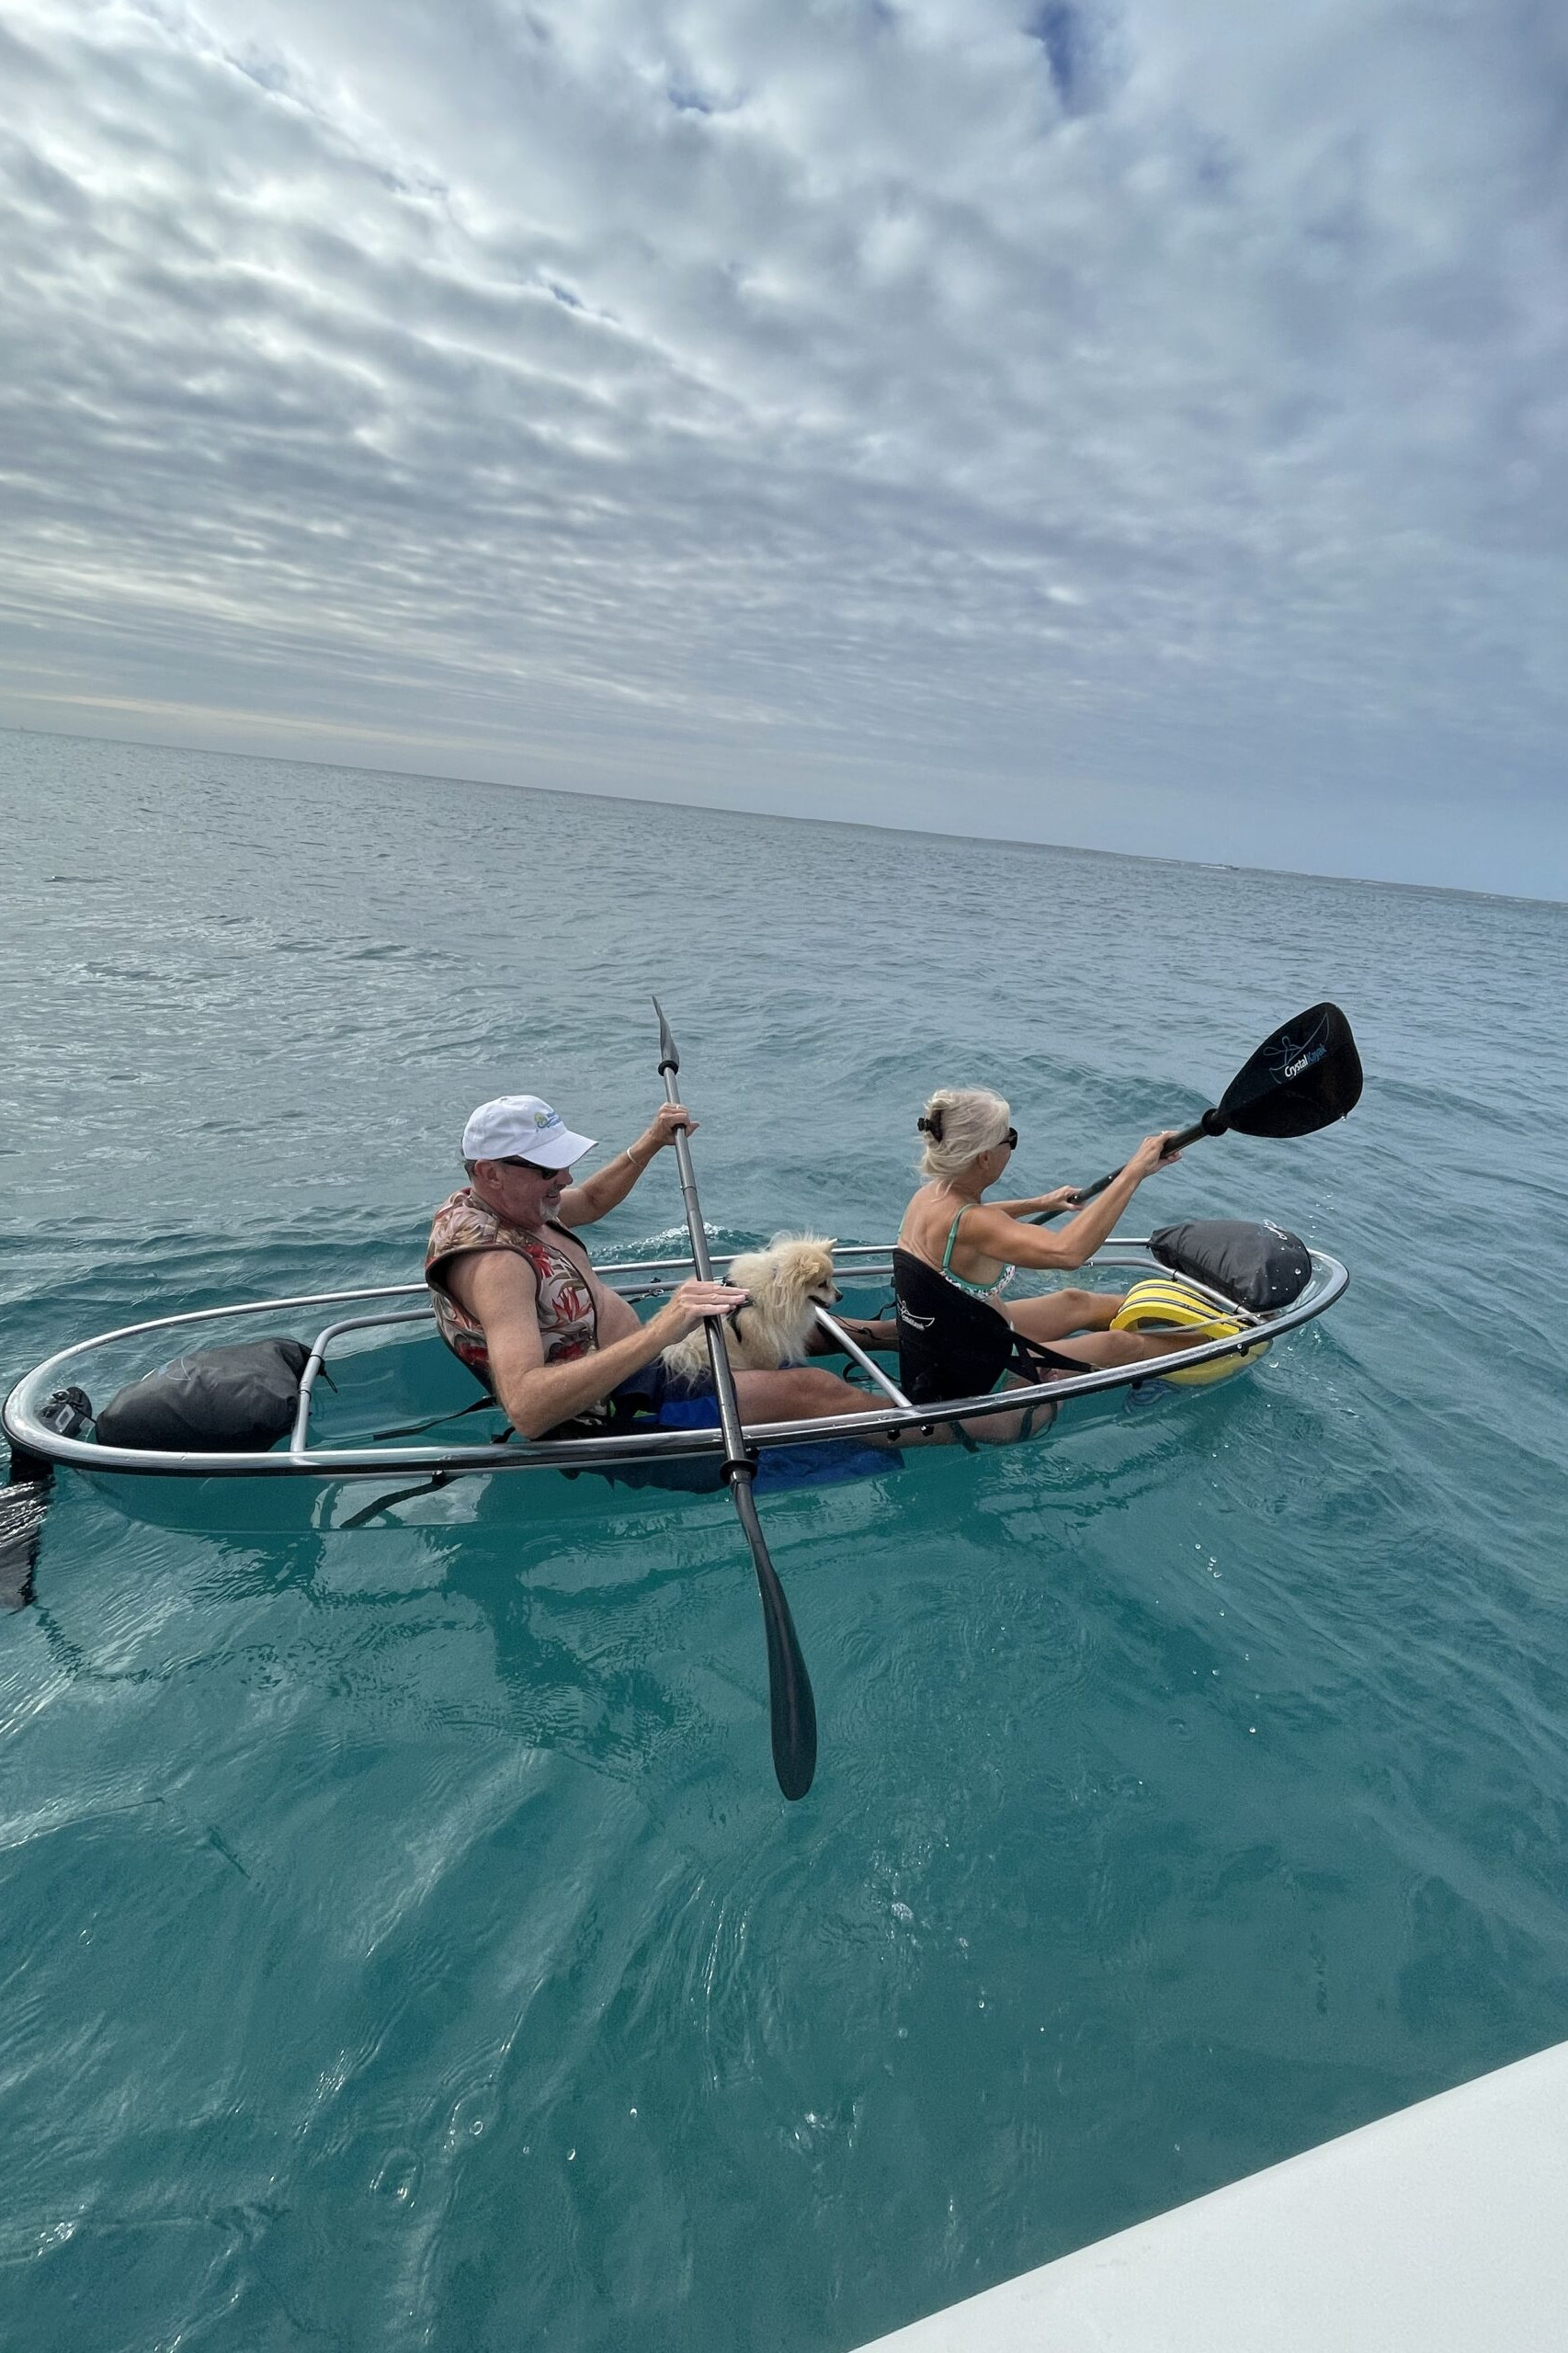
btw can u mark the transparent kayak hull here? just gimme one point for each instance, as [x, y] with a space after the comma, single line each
[377, 1366]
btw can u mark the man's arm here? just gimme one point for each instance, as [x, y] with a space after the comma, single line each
[598, 1194]
[498, 1288]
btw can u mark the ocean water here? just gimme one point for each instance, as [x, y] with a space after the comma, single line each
[403, 1943]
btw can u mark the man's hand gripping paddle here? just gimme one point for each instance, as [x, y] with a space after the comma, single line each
[793, 1710]
[1303, 1078]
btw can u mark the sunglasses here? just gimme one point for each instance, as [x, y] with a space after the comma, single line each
[1012, 1138]
[531, 1166]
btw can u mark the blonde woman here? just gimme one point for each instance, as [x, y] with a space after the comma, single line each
[955, 1254]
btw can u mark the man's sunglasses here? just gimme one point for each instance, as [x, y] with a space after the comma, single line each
[1012, 1138]
[511, 1161]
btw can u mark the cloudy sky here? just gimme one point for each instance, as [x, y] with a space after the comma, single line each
[1134, 423]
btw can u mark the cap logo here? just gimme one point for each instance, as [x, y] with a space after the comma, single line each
[547, 1118]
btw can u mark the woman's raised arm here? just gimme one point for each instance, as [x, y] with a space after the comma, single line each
[993, 1228]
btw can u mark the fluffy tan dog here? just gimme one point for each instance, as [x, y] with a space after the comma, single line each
[786, 1281]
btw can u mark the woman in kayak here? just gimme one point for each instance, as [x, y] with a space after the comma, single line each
[955, 1254]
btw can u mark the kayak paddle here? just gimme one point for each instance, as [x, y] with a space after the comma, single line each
[793, 1710]
[1303, 1078]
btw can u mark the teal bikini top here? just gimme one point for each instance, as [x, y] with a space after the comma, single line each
[975, 1291]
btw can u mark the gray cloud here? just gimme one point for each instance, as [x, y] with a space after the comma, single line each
[1141, 428]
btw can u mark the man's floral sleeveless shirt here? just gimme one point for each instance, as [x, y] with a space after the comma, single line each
[567, 1321]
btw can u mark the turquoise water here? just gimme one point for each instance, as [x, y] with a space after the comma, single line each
[404, 1942]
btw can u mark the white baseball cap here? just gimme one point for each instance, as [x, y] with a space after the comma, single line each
[522, 1127]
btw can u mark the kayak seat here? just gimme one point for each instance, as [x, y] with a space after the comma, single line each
[953, 1345]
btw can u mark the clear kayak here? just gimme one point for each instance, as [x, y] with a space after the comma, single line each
[389, 1431]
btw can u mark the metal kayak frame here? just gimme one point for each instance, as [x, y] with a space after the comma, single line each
[635, 1280]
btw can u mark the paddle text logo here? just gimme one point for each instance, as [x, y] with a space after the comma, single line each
[1296, 1060]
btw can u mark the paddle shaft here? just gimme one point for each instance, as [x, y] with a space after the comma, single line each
[1208, 1125]
[791, 1706]
[738, 1463]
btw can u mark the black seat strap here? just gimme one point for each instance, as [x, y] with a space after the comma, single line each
[385, 1503]
[411, 1430]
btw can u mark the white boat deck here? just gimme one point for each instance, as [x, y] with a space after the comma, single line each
[1443, 2229]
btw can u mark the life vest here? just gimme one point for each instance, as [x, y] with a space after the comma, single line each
[568, 1321]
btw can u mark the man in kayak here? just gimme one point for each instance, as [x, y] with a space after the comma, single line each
[517, 1298]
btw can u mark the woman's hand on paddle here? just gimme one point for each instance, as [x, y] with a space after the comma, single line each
[1152, 1154]
[688, 1307]
[1051, 1204]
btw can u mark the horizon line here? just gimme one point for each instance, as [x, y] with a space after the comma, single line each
[791, 817]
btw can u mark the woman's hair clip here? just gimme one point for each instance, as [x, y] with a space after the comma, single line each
[931, 1127]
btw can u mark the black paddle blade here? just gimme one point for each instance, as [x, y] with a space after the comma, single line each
[669, 1058]
[1304, 1076]
[792, 1707]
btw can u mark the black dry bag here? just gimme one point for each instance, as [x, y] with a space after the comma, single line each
[219, 1400]
[1260, 1267]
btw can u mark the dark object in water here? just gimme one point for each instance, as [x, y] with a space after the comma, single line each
[24, 1499]
[236, 1400]
[23, 1503]
[1260, 1267]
